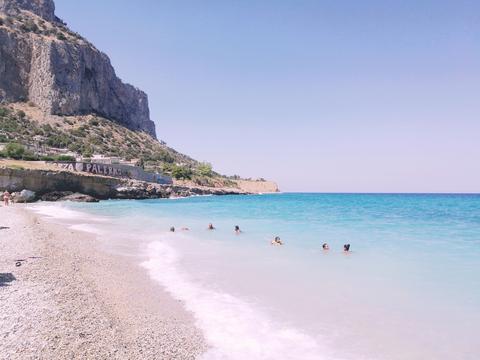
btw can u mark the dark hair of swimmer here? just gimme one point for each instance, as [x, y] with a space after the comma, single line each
[325, 246]
[172, 229]
[277, 238]
[237, 228]
[346, 247]
[210, 226]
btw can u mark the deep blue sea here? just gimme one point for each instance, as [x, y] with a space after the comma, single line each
[408, 289]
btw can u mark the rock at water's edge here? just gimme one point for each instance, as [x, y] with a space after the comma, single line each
[77, 197]
[24, 196]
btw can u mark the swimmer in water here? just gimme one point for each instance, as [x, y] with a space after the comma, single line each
[346, 247]
[211, 227]
[325, 247]
[276, 241]
[172, 229]
[185, 229]
[237, 229]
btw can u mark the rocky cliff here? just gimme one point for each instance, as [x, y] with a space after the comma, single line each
[42, 61]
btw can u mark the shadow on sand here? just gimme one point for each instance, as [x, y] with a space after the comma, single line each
[6, 278]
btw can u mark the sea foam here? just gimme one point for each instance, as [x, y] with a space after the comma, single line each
[234, 328]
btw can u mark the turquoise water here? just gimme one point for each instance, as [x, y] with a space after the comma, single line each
[409, 289]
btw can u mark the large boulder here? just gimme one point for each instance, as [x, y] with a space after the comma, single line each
[24, 196]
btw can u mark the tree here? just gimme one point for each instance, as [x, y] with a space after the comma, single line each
[205, 169]
[182, 172]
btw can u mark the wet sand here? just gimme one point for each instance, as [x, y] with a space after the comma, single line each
[71, 300]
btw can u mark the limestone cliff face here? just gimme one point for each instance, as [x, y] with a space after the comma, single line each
[42, 8]
[44, 62]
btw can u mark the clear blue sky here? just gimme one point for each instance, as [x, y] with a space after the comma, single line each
[360, 96]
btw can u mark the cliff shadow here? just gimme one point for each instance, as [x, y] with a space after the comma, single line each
[6, 278]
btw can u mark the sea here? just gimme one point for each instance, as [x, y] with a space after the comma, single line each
[409, 288]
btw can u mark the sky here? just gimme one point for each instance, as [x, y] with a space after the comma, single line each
[321, 96]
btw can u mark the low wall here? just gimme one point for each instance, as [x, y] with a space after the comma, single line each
[114, 170]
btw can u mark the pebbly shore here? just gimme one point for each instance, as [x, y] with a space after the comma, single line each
[62, 297]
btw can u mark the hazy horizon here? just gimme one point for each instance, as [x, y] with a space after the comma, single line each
[320, 96]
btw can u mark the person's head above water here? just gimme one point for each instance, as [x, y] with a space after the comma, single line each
[210, 226]
[172, 229]
[277, 241]
[237, 228]
[346, 247]
[325, 246]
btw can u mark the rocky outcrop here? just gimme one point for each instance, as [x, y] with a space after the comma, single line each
[60, 72]
[42, 8]
[24, 196]
[77, 197]
[59, 185]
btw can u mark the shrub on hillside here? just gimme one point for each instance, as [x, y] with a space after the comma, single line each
[59, 141]
[4, 111]
[181, 172]
[94, 122]
[61, 36]
[65, 158]
[14, 150]
[29, 156]
[30, 26]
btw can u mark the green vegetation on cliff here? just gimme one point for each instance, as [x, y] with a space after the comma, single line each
[88, 135]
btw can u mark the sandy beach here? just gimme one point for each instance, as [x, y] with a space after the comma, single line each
[71, 300]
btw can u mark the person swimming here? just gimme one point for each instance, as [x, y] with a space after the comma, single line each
[172, 229]
[237, 229]
[325, 246]
[211, 227]
[276, 241]
[346, 247]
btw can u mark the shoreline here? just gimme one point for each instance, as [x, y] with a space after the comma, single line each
[71, 299]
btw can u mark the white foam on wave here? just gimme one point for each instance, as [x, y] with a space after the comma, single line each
[56, 211]
[60, 212]
[233, 327]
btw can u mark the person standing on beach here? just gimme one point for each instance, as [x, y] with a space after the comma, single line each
[6, 198]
